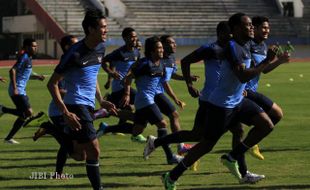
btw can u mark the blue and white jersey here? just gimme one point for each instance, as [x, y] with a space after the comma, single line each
[23, 68]
[147, 78]
[229, 91]
[121, 59]
[170, 69]
[258, 53]
[80, 66]
[53, 110]
[213, 56]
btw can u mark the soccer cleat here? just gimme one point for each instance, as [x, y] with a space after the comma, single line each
[39, 133]
[231, 165]
[118, 134]
[36, 120]
[149, 148]
[139, 139]
[101, 113]
[251, 178]
[254, 151]
[175, 159]
[184, 149]
[169, 185]
[102, 127]
[11, 141]
[1, 112]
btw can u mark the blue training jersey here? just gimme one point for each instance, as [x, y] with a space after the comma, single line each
[258, 53]
[80, 67]
[23, 68]
[147, 78]
[121, 59]
[170, 68]
[229, 91]
[212, 55]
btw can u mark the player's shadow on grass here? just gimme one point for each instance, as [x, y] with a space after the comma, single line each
[23, 159]
[250, 187]
[125, 174]
[78, 186]
[29, 150]
[223, 151]
[41, 166]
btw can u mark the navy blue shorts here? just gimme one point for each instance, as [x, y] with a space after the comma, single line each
[59, 122]
[21, 102]
[147, 114]
[200, 118]
[260, 99]
[219, 119]
[116, 97]
[164, 104]
[88, 131]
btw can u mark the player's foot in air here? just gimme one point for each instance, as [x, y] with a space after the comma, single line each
[149, 148]
[184, 149]
[139, 139]
[175, 159]
[255, 152]
[102, 127]
[232, 166]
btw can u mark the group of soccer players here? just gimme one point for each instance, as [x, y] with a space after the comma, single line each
[228, 99]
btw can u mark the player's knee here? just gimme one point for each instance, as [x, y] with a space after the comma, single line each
[174, 115]
[276, 114]
[162, 124]
[79, 157]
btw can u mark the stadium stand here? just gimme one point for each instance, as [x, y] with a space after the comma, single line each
[185, 19]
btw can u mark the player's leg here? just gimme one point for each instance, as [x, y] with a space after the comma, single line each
[22, 104]
[195, 135]
[86, 141]
[250, 114]
[168, 109]
[273, 110]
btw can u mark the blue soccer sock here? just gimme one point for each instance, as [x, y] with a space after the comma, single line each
[93, 173]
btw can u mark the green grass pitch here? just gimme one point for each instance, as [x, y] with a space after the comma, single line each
[286, 150]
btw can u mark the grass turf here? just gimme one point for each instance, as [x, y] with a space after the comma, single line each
[286, 150]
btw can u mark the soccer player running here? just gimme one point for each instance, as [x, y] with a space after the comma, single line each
[20, 73]
[164, 104]
[79, 68]
[226, 105]
[57, 126]
[259, 53]
[120, 60]
[148, 73]
[213, 56]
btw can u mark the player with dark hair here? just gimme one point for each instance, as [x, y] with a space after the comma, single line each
[226, 105]
[148, 73]
[164, 104]
[20, 73]
[79, 68]
[120, 60]
[57, 126]
[259, 53]
[213, 56]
